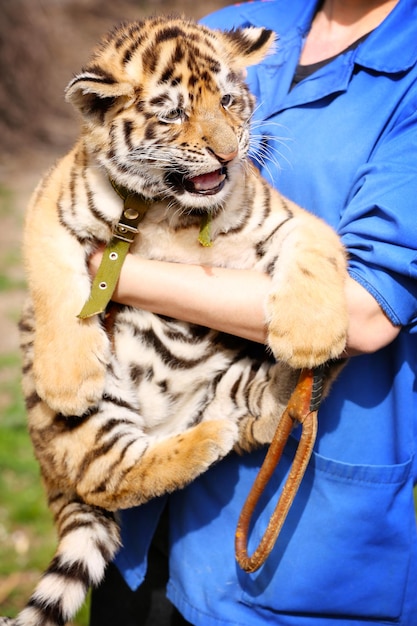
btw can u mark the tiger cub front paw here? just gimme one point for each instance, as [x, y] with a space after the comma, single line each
[70, 367]
[307, 329]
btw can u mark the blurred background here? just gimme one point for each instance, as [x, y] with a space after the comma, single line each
[42, 44]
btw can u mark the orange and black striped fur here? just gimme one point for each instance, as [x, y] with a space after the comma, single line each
[167, 115]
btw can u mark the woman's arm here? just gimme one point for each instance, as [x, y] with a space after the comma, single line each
[232, 301]
[228, 300]
[369, 328]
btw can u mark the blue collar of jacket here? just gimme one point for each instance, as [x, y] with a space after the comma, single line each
[391, 48]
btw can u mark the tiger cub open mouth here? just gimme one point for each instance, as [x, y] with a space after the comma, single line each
[205, 184]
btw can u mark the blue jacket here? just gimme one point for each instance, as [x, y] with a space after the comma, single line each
[345, 147]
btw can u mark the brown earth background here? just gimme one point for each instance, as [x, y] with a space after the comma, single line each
[42, 44]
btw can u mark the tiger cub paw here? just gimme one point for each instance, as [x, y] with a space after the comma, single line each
[204, 445]
[307, 331]
[70, 371]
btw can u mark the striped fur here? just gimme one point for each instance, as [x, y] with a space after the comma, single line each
[115, 422]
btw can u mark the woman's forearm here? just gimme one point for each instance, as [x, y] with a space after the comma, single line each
[369, 328]
[228, 300]
[233, 301]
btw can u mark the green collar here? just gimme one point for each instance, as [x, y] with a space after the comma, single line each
[105, 281]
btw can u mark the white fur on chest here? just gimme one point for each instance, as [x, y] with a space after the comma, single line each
[158, 241]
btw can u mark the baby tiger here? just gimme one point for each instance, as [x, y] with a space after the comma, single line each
[130, 405]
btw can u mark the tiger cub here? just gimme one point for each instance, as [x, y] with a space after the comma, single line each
[119, 418]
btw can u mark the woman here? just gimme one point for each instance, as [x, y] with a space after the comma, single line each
[338, 104]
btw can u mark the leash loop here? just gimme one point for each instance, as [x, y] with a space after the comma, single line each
[302, 409]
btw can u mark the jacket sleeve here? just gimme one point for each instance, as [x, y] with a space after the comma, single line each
[379, 225]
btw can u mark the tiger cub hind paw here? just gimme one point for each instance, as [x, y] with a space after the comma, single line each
[200, 447]
[214, 439]
[173, 463]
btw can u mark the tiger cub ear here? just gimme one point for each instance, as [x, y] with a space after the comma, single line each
[248, 46]
[94, 93]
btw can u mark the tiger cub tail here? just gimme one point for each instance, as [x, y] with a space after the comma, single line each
[88, 541]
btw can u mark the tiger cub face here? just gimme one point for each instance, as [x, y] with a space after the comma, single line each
[165, 108]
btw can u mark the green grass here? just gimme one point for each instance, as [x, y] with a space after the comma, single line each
[10, 258]
[6, 200]
[8, 283]
[27, 536]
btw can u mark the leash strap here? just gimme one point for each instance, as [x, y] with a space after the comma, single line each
[302, 409]
[105, 281]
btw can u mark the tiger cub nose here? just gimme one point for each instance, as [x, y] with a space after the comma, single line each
[223, 157]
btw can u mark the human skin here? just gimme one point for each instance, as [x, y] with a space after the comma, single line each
[339, 24]
[232, 301]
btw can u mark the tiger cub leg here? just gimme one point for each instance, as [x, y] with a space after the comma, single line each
[109, 457]
[142, 468]
[306, 309]
[266, 394]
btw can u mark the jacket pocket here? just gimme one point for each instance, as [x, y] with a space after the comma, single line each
[345, 547]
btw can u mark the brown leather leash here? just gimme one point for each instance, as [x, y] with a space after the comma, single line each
[302, 409]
